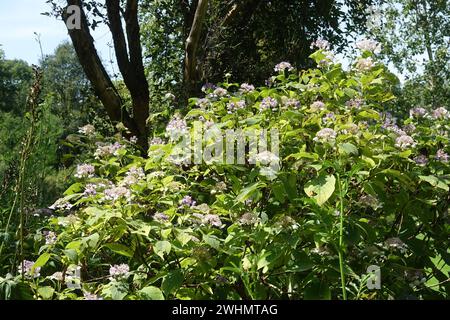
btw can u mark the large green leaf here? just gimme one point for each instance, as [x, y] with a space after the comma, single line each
[172, 282]
[120, 249]
[162, 247]
[321, 188]
[151, 293]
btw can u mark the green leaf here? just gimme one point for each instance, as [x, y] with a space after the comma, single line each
[212, 241]
[151, 293]
[184, 238]
[247, 192]
[91, 241]
[318, 291]
[348, 148]
[435, 182]
[172, 282]
[120, 249]
[46, 292]
[72, 255]
[41, 261]
[162, 247]
[321, 188]
[75, 188]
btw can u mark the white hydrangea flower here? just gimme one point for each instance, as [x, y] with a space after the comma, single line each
[404, 142]
[365, 64]
[369, 45]
[325, 135]
[87, 130]
[283, 66]
[85, 171]
[320, 44]
[119, 271]
[116, 193]
[317, 106]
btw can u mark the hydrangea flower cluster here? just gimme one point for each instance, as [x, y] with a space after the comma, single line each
[208, 87]
[133, 139]
[441, 113]
[116, 193]
[233, 106]
[365, 64]
[203, 103]
[50, 237]
[283, 66]
[417, 112]
[268, 103]
[355, 103]
[248, 219]
[176, 126]
[404, 142]
[156, 141]
[104, 151]
[26, 267]
[88, 130]
[218, 93]
[85, 171]
[213, 220]
[292, 103]
[442, 156]
[161, 217]
[133, 176]
[91, 189]
[369, 45]
[61, 204]
[329, 118]
[326, 135]
[207, 219]
[320, 44]
[266, 157]
[91, 296]
[317, 106]
[119, 271]
[246, 88]
[188, 201]
[421, 160]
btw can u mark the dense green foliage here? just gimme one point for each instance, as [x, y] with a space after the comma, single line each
[355, 188]
[353, 175]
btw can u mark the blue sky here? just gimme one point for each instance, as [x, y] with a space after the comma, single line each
[19, 19]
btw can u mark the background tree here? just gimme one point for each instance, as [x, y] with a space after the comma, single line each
[416, 40]
[15, 79]
[244, 37]
[68, 91]
[208, 38]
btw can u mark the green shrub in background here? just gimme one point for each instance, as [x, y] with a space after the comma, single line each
[355, 188]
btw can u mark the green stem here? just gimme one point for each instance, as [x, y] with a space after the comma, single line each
[341, 239]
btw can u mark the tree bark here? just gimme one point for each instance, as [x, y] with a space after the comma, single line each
[131, 68]
[191, 47]
[129, 58]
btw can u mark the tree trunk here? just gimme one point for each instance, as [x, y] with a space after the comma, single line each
[131, 66]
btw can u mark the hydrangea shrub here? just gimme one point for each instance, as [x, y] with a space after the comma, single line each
[356, 187]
